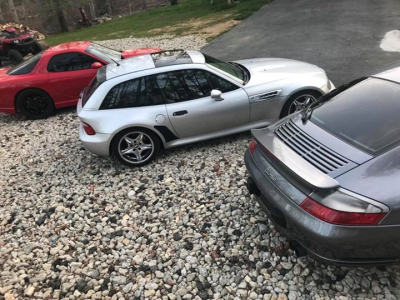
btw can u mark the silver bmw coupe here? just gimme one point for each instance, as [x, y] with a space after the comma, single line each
[161, 100]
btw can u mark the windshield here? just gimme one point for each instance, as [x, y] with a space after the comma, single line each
[365, 115]
[26, 66]
[232, 70]
[106, 54]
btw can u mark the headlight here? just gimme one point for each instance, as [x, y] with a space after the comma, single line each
[16, 42]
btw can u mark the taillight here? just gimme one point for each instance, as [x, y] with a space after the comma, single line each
[253, 146]
[340, 217]
[88, 129]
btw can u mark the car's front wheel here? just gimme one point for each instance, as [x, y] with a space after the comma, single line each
[35, 104]
[135, 147]
[298, 101]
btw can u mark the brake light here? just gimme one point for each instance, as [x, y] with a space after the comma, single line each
[253, 146]
[340, 217]
[88, 129]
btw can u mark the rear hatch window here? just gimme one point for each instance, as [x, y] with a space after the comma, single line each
[365, 116]
[89, 91]
[26, 66]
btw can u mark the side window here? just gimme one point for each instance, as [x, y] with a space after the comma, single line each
[178, 86]
[220, 84]
[134, 93]
[73, 61]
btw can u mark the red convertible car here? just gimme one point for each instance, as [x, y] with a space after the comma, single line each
[55, 77]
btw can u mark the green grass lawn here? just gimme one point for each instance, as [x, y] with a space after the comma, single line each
[164, 20]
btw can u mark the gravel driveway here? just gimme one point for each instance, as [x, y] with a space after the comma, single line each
[77, 226]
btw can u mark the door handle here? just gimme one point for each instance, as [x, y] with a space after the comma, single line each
[180, 113]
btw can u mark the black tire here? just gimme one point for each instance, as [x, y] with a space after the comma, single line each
[38, 47]
[35, 104]
[287, 108]
[15, 56]
[119, 144]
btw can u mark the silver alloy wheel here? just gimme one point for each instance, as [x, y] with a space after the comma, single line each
[300, 102]
[136, 147]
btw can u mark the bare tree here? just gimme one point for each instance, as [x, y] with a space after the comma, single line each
[130, 7]
[92, 9]
[1, 12]
[60, 15]
[12, 8]
[109, 6]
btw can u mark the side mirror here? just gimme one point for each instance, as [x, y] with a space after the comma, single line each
[216, 95]
[96, 65]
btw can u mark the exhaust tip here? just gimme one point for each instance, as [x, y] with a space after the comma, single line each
[297, 248]
[252, 187]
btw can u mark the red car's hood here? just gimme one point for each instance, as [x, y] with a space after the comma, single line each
[139, 51]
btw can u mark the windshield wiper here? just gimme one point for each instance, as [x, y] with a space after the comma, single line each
[308, 110]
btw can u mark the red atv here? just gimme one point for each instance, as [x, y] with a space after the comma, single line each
[15, 45]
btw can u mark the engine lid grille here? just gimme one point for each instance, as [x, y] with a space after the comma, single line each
[321, 157]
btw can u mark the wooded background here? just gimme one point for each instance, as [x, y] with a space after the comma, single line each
[53, 16]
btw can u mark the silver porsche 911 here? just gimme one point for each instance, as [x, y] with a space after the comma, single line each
[166, 99]
[328, 177]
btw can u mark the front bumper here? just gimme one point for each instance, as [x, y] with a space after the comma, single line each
[332, 244]
[98, 144]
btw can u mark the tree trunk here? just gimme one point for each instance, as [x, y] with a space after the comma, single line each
[92, 9]
[1, 13]
[130, 7]
[12, 8]
[60, 16]
[144, 4]
[109, 6]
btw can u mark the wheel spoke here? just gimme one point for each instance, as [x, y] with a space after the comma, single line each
[128, 141]
[138, 154]
[127, 151]
[139, 138]
[146, 147]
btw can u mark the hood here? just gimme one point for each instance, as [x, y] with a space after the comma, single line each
[139, 51]
[264, 70]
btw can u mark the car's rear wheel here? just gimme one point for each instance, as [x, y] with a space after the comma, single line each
[135, 147]
[35, 104]
[298, 101]
[15, 56]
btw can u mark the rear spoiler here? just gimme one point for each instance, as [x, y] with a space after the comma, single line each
[293, 161]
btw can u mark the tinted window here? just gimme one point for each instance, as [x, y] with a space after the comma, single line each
[73, 61]
[365, 115]
[218, 83]
[26, 66]
[184, 85]
[89, 92]
[134, 93]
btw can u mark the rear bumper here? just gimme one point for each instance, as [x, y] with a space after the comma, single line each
[332, 244]
[98, 144]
